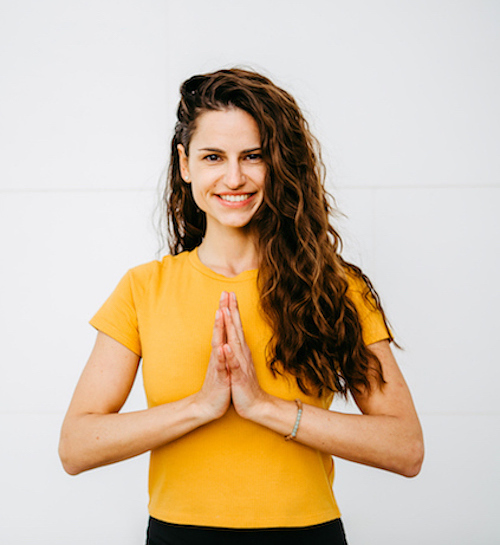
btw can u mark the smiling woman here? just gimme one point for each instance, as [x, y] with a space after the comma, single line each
[246, 332]
[225, 168]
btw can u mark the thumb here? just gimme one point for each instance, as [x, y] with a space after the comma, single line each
[231, 361]
[220, 361]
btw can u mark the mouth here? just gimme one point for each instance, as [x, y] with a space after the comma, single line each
[235, 200]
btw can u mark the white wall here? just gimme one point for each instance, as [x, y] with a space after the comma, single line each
[404, 97]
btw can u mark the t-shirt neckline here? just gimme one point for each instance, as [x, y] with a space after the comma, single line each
[198, 265]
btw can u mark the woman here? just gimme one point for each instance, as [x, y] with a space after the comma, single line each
[246, 331]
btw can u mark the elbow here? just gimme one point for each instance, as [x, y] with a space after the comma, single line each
[66, 462]
[71, 470]
[68, 459]
[414, 459]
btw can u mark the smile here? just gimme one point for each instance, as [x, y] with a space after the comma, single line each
[235, 198]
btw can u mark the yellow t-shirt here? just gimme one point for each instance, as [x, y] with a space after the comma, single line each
[231, 472]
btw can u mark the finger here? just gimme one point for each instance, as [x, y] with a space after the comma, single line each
[218, 332]
[232, 334]
[223, 303]
[221, 365]
[230, 357]
[224, 300]
[235, 313]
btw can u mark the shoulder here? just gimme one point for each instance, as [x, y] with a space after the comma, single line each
[156, 268]
[359, 291]
[155, 273]
[372, 318]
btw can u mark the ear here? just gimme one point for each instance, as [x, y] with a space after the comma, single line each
[183, 163]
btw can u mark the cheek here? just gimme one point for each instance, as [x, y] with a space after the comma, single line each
[196, 194]
[264, 182]
[199, 195]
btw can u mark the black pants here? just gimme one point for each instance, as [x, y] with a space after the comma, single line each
[164, 533]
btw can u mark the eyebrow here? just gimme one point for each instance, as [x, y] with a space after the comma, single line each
[217, 150]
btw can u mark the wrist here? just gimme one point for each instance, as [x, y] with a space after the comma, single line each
[279, 415]
[201, 410]
[261, 410]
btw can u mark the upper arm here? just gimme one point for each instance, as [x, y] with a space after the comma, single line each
[106, 380]
[393, 398]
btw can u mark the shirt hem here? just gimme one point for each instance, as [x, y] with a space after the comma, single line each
[257, 523]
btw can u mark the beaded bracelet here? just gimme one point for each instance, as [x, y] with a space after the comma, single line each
[297, 421]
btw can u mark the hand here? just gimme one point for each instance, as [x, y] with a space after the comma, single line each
[215, 394]
[246, 392]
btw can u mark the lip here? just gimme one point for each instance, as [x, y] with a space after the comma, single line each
[237, 204]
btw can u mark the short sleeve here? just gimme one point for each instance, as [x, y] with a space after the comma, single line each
[373, 325]
[118, 316]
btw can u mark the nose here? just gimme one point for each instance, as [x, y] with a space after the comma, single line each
[235, 178]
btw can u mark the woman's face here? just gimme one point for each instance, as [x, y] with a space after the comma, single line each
[225, 167]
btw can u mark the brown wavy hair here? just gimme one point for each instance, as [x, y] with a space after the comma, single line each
[302, 278]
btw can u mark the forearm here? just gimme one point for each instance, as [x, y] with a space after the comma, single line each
[93, 440]
[384, 441]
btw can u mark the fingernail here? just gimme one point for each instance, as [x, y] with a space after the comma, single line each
[227, 311]
[217, 314]
[233, 295]
[222, 296]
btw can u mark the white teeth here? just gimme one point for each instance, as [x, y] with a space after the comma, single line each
[235, 198]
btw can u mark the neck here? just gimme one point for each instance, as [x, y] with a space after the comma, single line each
[229, 252]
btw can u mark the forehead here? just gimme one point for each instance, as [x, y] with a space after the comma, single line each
[226, 127]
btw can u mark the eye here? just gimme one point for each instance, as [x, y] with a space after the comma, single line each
[254, 157]
[212, 158]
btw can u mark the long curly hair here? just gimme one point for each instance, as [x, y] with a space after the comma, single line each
[302, 278]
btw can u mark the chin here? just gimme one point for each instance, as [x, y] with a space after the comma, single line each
[242, 224]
